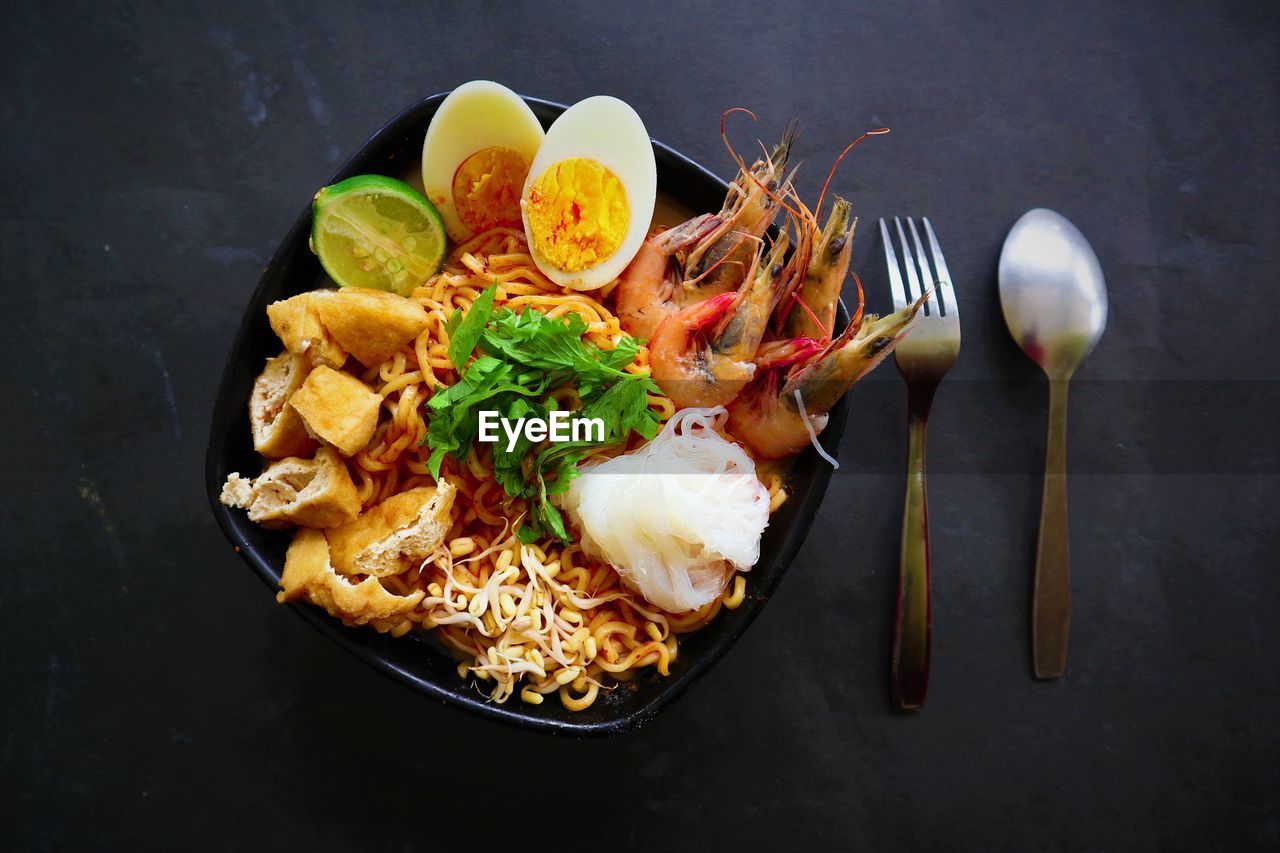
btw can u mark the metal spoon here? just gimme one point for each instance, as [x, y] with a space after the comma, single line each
[1055, 304]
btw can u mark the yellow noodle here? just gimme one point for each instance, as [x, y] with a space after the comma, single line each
[525, 620]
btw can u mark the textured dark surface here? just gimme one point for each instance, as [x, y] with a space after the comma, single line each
[156, 697]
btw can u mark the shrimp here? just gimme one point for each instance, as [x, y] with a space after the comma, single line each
[649, 289]
[802, 222]
[719, 263]
[708, 255]
[744, 329]
[767, 415]
[813, 310]
[824, 278]
[705, 354]
[684, 368]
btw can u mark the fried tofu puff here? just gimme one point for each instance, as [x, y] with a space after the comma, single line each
[296, 321]
[278, 430]
[309, 575]
[338, 409]
[395, 535]
[370, 324]
[315, 492]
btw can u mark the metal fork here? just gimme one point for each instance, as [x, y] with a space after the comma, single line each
[924, 356]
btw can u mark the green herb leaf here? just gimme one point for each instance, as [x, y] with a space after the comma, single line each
[466, 333]
[525, 356]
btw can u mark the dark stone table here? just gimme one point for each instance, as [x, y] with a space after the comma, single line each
[156, 697]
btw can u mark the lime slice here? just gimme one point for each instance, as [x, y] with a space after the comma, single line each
[372, 231]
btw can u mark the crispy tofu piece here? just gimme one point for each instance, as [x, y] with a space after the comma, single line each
[338, 409]
[296, 321]
[372, 325]
[315, 492]
[278, 431]
[309, 575]
[395, 535]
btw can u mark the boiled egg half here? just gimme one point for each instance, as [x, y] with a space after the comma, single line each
[588, 200]
[476, 157]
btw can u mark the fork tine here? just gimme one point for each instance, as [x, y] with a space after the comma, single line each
[895, 277]
[939, 264]
[927, 281]
[913, 281]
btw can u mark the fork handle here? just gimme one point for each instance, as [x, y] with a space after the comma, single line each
[1051, 608]
[913, 625]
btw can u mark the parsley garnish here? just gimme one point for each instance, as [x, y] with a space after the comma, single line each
[521, 358]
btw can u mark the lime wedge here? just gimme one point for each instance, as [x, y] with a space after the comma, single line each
[373, 231]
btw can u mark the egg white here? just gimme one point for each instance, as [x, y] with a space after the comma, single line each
[611, 133]
[476, 115]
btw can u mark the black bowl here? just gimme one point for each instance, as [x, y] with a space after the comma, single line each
[413, 660]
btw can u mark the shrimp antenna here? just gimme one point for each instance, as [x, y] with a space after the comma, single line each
[795, 299]
[788, 136]
[725, 136]
[856, 320]
[803, 217]
[831, 174]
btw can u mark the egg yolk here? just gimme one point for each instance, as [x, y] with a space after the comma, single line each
[577, 212]
[486, 188]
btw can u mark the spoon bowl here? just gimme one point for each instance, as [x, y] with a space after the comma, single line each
[1052, 291]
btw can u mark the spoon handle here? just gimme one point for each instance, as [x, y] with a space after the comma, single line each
[913, 624]
[1051, 610]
